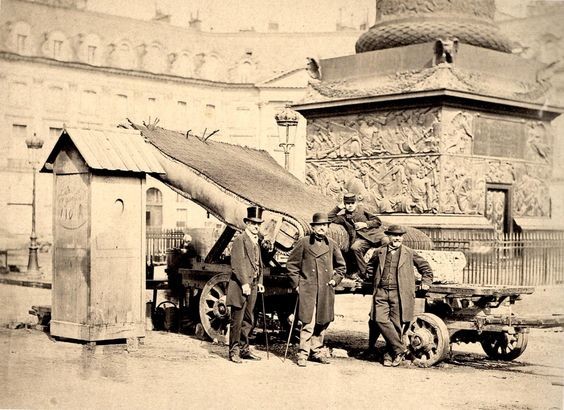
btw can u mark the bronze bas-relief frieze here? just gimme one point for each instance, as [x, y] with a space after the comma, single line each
[390, 185]
[428, 161]
[365, 135]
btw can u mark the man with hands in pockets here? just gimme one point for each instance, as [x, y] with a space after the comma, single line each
[315, 266]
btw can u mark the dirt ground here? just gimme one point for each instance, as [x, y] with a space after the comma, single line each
[178, 371]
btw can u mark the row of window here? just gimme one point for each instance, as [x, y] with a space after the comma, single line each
[92, 103]
[154, 209]
[89, 49]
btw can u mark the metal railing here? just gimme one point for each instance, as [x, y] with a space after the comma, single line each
[159, 241]
[529, 258]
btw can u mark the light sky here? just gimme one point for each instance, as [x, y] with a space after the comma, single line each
[291, 15]
[233, 15]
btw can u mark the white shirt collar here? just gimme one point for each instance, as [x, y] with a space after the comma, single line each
[251, 235]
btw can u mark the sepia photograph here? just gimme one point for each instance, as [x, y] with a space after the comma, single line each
[246, 204]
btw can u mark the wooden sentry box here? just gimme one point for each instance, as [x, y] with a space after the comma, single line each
[99, 233]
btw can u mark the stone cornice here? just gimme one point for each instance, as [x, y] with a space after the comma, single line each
[4, 55]
[440, 81]
[418, 98]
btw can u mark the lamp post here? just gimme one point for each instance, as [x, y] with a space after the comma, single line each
[34, 144]
[286, 118]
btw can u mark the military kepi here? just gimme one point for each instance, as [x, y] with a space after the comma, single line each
[349, 198]
[319, 218]
[254, 214]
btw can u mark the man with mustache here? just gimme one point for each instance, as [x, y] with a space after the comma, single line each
[315, 267]
[393, 268]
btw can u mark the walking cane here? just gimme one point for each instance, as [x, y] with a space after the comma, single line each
[264, 323]
[291, 328]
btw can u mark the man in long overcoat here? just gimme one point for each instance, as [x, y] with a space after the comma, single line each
[246, 280]
[315, 266]
[393, 267]
[363, 229]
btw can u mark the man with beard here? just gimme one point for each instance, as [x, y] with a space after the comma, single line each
[315, 267]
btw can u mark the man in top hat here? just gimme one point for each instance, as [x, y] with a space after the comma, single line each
[392, 266]
[245, 282]
[362, 227]
[315, 267]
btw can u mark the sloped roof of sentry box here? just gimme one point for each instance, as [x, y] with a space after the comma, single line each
[108, 150]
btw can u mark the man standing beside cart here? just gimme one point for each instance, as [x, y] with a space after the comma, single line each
[392, 267]
[245, 282]
[315, 266]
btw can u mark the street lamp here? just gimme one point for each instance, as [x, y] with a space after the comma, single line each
[34, 144]
[286, 118]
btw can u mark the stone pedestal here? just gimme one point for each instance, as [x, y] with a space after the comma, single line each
[449, 132]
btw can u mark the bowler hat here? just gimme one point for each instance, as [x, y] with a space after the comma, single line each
[395, 230]
[254, 214]
[319, 218]
[349, 198]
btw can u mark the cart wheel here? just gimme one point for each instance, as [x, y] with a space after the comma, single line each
[214, 314]
[504, 346]
[429, 339]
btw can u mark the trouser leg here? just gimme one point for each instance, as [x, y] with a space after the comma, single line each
[387, 312]
[248, 320]
[373, 334]
[306, 334]
[317, 338]
[359, 247]
[235, 323]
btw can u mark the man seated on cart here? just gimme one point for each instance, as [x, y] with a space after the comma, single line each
[364, 231]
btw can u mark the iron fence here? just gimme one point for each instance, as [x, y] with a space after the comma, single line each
[159, 241]
[528, 259]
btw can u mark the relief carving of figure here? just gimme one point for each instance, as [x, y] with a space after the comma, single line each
[537, 142]
[421, 182]
[531, 197]
[461, 192]
[501, 172]
[312, 175]
[355, 144]
[459, 135]
[319, 143]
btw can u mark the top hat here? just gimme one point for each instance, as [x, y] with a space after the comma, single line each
[395, 230]
[254, 214]
[349, 198]
[319, 218]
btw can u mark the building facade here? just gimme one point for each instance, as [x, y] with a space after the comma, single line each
[62, 65]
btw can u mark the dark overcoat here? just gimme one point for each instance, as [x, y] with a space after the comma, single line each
[373, 233]
[311, 265]
[243, 268]
[409, 260]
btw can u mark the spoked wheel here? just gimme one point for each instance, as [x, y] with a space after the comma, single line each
[429, 339]
[214, 314]
[504, 346]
